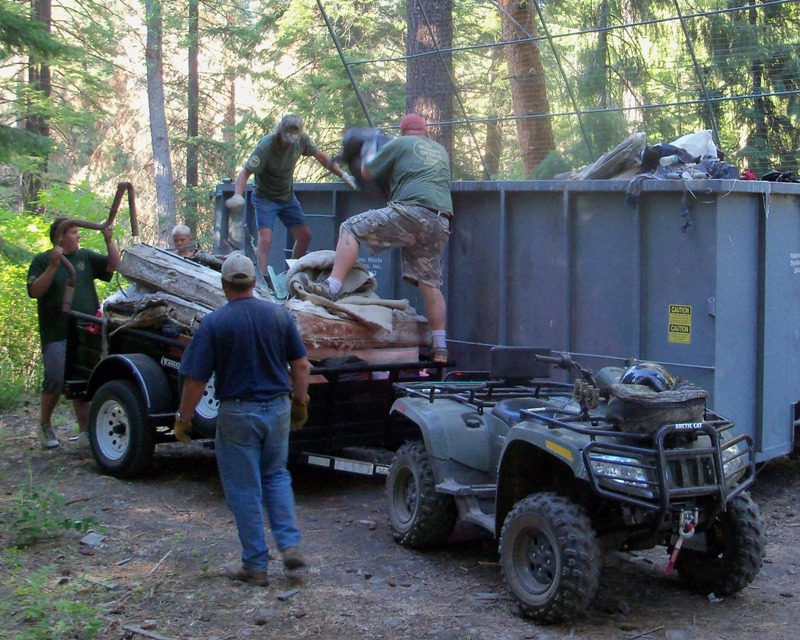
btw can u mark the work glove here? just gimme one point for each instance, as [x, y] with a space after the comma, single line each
[299, 413]
[182, 429]
[349, 180]
[235, 202]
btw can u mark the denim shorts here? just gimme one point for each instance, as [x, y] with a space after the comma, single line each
[420, 233]
[54, 355]
[290, 213]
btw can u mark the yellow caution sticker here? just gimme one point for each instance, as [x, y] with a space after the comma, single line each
[558, 449]
[680, 324]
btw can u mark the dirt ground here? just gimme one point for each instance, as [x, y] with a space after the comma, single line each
[157, 572]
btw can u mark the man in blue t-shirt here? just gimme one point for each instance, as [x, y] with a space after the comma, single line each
[272, 166]
[47, 281]
[246, 345]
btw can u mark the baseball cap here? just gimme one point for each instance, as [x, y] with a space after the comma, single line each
[412, 124]
[238, 269]
[290, 128]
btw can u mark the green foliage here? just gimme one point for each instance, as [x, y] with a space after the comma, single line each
[36, 512]
[44, 605]
[551, 166]
[19, 337]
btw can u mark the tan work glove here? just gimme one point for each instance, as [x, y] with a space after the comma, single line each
[235, 202]
[182, 429]
[299, 413]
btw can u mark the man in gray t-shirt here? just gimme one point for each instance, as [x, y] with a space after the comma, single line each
[272, 166]
[416, 220]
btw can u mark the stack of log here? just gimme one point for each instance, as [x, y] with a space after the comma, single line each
[179, 292]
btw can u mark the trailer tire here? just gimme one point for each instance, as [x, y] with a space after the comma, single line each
[736, 547]
[550, 557]
[121, 439]
[204, 421]
[420, 517]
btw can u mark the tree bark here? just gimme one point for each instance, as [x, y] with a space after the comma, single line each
[528, 91]
[159, 136]
[192, 118]
[39, 81]
[429, 90]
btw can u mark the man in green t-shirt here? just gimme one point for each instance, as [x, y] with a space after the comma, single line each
[47, 279]
[272, 167]
[417, 220]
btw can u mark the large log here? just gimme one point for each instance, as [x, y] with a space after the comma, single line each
[325, 335]
[160, 270]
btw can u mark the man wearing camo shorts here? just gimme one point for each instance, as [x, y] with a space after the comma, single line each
[416, 219]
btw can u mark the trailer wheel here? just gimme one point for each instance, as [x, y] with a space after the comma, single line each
[735, 550]
[420, 517]
[204, 421]
[122, 442]
[550, 557]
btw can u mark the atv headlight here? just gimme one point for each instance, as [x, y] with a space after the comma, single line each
[621, 474]
[734, 462]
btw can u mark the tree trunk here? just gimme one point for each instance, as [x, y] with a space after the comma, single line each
[528, 91]
[429, 91]
[192, 119]
[229, 125]
[632, 97]
[35, 122]
[162, 163]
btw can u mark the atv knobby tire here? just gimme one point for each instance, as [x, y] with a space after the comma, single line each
[122, 441]
[735, 550]
[420, 517]
[550, 557]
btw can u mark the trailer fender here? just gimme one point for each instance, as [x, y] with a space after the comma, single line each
[143, 371]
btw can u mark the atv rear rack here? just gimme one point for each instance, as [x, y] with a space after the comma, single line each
[483, 395]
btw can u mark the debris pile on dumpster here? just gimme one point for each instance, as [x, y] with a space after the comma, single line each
[173, 294]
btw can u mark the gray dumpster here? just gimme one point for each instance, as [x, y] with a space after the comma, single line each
[702, 276]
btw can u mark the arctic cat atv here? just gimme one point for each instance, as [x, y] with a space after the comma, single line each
[561, 472]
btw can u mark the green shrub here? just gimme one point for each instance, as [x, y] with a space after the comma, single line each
[35, 512]
[42, 605]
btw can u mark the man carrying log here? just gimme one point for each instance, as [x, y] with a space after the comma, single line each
[47, 279]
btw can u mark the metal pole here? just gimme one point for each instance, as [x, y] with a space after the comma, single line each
[338, 44]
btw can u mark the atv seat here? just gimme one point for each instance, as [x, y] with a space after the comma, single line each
[509, 410]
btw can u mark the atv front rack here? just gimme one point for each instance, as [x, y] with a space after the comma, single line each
[677, 467]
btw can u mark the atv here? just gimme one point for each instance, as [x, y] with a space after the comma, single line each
[561, 472]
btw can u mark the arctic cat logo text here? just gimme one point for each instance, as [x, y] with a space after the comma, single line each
[688, 426]
[166, 362]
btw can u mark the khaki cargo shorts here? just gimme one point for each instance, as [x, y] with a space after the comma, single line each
[419, 232]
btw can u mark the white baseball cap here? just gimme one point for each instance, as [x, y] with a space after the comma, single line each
[238, 269]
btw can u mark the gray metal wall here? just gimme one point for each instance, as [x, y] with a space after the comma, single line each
[570, 266]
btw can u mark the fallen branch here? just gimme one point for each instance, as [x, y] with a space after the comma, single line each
[160, 562]
[144, 632]
[646, 633]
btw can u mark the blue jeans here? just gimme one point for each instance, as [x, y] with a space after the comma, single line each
[290, 212]
[252, 445]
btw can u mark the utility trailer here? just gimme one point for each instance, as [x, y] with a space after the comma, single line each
[130, 376]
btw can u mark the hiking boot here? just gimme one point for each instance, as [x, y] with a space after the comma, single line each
[83, 441]
[236, 571]
[318, 288]
[48, 436]
[293, 558]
